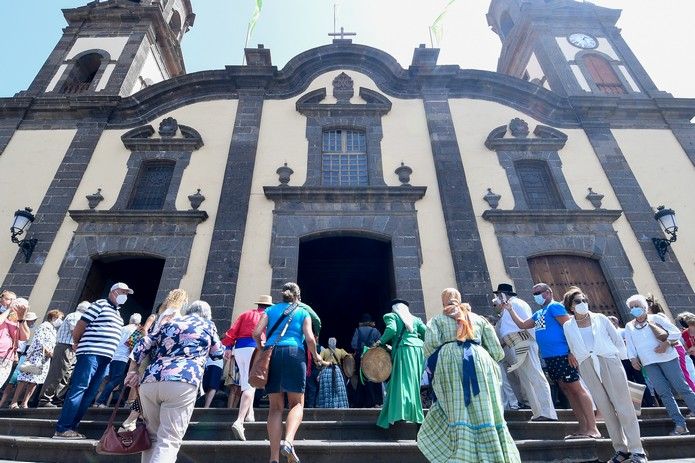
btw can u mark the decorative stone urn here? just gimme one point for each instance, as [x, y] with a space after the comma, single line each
[594, 198]
[404, 173]
[196, 199]
[492, 199]
[284, 173]
[94, 199]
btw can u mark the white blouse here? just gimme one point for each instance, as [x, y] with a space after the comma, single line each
[606, 341]
[641, 342]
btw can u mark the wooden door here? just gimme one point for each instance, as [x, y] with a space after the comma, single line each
[561, 272]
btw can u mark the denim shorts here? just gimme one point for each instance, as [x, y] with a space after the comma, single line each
[287, 370]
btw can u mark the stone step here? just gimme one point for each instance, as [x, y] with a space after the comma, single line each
[328, 430]
[310, 414]
[36, 449]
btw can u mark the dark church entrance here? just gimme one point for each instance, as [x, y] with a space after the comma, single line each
[142, 274]
[342, 277]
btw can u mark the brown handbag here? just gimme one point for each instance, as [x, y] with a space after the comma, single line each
[126, 442]
[659, 333]
[260, 361]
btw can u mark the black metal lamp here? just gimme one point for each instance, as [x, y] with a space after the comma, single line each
[20, 225]
[667, 220]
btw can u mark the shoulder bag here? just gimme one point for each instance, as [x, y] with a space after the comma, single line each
[260, 361]
[126, 442]
[659, 333]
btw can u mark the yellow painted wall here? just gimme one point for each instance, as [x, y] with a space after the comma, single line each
[28, 165]
[282, 139]
[666, 176]
[215, 122]
[473, 121]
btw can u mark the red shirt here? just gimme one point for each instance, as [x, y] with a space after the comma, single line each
[243, 326]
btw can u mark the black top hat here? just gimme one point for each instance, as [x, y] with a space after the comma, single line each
[505, 288]
[399, 301]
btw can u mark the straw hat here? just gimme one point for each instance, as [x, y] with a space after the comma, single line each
[264, 300]
[376, 364]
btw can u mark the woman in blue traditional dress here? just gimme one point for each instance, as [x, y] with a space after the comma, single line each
[466, 423]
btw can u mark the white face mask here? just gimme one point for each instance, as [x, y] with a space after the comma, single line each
[581, 308]
[57, 323]
[121, 298]
[540, 300]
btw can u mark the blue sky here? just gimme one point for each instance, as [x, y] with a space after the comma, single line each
[289, 27]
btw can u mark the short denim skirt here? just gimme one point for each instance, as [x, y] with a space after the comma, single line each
[287, 370]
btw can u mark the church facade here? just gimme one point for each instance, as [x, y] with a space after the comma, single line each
[358, 178]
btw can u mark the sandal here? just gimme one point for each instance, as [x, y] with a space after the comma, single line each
[14, 406]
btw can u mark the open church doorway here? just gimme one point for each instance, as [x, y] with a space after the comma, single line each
[342, 277]
[142, 274]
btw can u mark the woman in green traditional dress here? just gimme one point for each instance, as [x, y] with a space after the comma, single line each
[405, 333]
[466, 423]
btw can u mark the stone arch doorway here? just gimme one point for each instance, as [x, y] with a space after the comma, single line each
[563, 271]
[142, 274]
[342, 277]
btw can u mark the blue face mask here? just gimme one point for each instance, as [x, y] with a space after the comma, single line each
[540, 300]
[637, 311]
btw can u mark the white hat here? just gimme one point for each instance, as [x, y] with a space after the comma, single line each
[30, 316]
[121, 286]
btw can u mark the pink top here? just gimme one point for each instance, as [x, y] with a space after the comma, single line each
[8, 338]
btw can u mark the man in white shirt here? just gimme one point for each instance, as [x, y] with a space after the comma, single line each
[522, 355]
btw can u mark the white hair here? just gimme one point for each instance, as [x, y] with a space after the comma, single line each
[200, 308]
[637, 298]
[136, 318]
[83, 306]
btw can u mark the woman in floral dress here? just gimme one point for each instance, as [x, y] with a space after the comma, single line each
[466, 423]
[39, 352]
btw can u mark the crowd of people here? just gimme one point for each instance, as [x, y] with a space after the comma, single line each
[471, 368]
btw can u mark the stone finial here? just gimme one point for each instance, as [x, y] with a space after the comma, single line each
[284, 173]
[594, 198]
[343, 88]
[518, 128]
[94, 199]
[168, 127]
[493, 199]
[196, 199]
[403, 173]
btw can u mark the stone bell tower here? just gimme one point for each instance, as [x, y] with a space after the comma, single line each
[570, 47]
[116, 48]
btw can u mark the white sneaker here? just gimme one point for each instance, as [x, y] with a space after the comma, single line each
[101, 406]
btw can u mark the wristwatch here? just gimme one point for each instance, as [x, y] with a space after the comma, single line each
[21, 321]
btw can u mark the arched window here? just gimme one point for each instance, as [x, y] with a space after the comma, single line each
[344, 158]
[152, 185]
[175, 23]
[82, 74]
[538, 185]
[506, 24]
[603, 74]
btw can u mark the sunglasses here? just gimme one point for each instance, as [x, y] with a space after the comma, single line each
[537, 293]
[579, 301]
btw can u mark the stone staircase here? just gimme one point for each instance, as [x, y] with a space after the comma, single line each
[326, 435]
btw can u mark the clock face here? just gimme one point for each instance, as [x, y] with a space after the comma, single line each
[583, 40]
